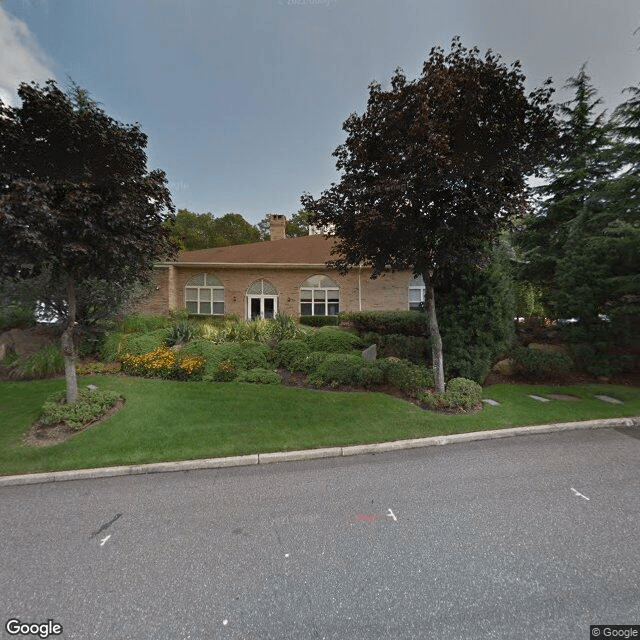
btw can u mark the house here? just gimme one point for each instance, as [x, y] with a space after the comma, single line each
[286, 275]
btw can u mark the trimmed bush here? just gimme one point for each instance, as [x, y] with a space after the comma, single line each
[407, 323]
[311, 361]
[406, 375]
[338, 369]
[332, 340]
[291, 354]
[537, 362]
[116, 343]
[259, 376]
[225, 371]
[88, 407]
[319, 321]
[460, 393]
[414, 348]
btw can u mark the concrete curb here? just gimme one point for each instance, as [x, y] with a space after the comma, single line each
[310, 454]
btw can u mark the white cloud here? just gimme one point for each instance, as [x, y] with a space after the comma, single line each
[21, 58]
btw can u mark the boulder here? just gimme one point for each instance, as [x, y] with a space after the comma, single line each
[370, 353]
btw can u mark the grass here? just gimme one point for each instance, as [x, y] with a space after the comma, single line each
[165, 420]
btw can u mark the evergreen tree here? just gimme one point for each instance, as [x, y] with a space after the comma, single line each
[581, 161]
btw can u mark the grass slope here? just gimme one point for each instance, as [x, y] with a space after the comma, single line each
[164, 420]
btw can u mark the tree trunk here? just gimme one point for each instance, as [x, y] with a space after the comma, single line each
[68, 348]
[436, 340]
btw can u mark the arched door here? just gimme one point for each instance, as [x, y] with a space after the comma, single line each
[262, 300]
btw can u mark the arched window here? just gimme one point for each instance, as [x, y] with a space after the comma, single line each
[319, 296]
[262, 300]
[204, 295]
[416, 293]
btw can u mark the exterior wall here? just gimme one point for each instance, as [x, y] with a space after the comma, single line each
[357, 290]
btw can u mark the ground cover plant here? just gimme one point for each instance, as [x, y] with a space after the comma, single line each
[168, 420]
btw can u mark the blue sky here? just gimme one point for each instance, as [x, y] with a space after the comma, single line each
[243, 100]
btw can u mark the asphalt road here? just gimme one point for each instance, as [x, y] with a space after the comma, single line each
[528, 537]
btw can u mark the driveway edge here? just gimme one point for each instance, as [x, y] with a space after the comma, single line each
[309, 454]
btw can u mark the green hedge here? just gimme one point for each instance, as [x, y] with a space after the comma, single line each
[332, 339]
[244, 356]
[407, 323]
[537, 362]
[319, 321]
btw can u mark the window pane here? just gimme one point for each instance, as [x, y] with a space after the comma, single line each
[327, 282]
[313, 281]
[205, 295]
[305, 309]
[218, 308]
[218, 295]
[192, 307]
[333, 309]
[319, 309]
[319, 295]
[415, 306]
[197, 281]
[416, 282]
[305, 294]
[256, 287]
[191, 295]
[416, 295]
[269, 289]
[205, 308]
[334, 295]
[212, 281]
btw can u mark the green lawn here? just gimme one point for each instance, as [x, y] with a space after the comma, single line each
[164, 420]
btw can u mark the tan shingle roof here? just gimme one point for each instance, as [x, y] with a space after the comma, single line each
[315, 249]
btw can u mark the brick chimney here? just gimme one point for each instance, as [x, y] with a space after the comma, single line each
[277, 226]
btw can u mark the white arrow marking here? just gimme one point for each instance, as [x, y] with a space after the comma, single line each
[104, 540]
[579, 494]
[390, 515]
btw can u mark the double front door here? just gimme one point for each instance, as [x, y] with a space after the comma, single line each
[262, 306]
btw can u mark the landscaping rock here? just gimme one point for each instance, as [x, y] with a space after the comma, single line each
[370, 353]
[505, 367]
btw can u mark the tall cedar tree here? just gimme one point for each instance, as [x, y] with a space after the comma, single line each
[434, 168]
[76, 198]
[579, 163]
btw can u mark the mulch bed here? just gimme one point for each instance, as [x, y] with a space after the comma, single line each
[45, 435]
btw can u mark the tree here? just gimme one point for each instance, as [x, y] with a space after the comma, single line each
[580, 161]
[76, 199]
[433, 169]
[203, 230]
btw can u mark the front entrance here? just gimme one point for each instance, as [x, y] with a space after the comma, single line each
[262, 307]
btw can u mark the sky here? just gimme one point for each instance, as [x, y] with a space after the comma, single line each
[243, 100]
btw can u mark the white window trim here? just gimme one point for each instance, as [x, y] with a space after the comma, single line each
[199, 301]
[313, 302]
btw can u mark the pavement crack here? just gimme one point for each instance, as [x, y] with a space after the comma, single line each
[105, 526]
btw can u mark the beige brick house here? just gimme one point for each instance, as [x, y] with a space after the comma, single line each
[287, 275]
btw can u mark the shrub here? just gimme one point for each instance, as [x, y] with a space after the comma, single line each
[319, 321]
[338, 369]
[225, 372]
[245, 355]
[180, 333]
[116, 343]
[408, 323]
[93, 368]
[414, 348]
[370, 375]
[88, 407]
[311, 361]
[459, 393]
[164, 363]
[45, 362]
[406, 375]
[14, 316]
[138, 323]
[333, 340]
[259, 376]
[537, 362]
[291, 354]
